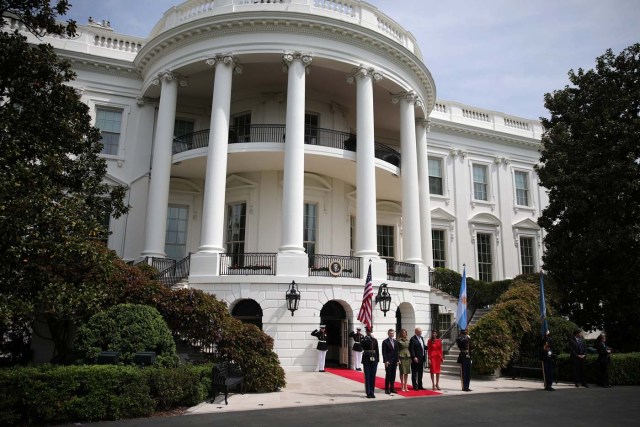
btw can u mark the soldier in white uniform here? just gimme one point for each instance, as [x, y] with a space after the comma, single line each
[356, 351]
[322, 346]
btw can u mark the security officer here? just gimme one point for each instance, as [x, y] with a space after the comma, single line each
[547, 356]
[322, 346]
[370, 359]
[357, 348]
[464, 359]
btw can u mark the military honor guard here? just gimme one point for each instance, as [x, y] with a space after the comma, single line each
[322, 346]
[464, 359]
[547, 356]
[390, 357]
[356, 351]
[370, 359]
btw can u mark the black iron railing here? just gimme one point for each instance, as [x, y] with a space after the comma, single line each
[401, 271]
[277, 133]
[249, 264]
[334, 266]
[170, 271]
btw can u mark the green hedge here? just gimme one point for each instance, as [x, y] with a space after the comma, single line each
[62, 394]
[623, 370]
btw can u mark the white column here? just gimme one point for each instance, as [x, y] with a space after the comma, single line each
[215, 183]
[411, 246]
[293, 187]
[206, 262]
[366, 218]
[156, 217]
[291, 259]
[422, 126]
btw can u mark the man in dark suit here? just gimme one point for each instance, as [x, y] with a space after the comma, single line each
[578, 352]
[464, 359]
[370, 359]
[418, 351]
[390, 358]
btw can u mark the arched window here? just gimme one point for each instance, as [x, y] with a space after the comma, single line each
[248, 311]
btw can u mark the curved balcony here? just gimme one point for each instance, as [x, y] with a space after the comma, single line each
[255, 134]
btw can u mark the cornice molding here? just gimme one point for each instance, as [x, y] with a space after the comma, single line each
[293, 23]
[437, 124]
[101, 64]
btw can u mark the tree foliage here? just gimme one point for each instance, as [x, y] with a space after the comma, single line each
[590, 164]
[52, 195]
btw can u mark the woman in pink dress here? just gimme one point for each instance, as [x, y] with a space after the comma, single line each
[434, 352]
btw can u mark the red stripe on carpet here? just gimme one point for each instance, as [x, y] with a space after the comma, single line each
[359, 377]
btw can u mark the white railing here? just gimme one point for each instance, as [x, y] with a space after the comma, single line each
[459, 113]
[117, 43]
[354, 11]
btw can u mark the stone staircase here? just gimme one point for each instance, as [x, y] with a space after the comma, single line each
[450, 366]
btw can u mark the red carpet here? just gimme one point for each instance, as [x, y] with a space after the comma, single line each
[359, 377]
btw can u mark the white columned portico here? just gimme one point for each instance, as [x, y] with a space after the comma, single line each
[156, 216]
[291, 256]
[411, 241]
[206, 260]
[422, 127]
[366, 216]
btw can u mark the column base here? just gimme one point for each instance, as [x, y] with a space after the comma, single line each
[378, 268]
[204, 264]
[422, 275]
[292, 264]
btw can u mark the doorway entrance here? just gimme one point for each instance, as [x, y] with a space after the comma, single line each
[334, 317]
[248, 311]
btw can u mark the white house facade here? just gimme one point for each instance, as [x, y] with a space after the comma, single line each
[269, 142]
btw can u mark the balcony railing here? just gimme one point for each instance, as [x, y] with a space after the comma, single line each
[334, 266]
[250, 134]
[401, 271]
[248, 264]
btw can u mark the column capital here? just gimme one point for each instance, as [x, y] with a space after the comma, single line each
[288, 57]
[169, 76]
[141, 101]
[361, 71]
[224, 58]
[425, 123]
[409, 96]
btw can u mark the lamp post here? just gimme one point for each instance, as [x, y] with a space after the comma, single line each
[383, 298]
[293, 297]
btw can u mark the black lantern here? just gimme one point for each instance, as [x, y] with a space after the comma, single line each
[383, 298]
[293, 297]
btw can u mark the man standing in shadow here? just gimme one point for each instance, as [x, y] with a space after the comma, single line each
[578, 352]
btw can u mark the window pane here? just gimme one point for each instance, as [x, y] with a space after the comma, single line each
[435, 177]
[311, 128]
[310, 229]
[526, 255]
[175, 244]
[109, 121]
[241, 130]
[522, 188]
[439, 251]
[480, 182]
[485, 262]
[385, 241]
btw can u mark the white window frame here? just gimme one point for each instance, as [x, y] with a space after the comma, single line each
[447, 253]
[534, 254]
[528, 189]
[94, 105]
[494, 253]
[443, 176]
[488, 169]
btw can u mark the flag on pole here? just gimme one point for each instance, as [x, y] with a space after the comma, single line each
[366, 309]
[544, 327]
[461, 314]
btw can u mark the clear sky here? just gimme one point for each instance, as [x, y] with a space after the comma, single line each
[501, 55]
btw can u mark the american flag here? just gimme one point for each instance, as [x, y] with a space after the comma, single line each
[366, 309]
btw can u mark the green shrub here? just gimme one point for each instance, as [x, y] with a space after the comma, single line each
[50, 394]
[623, 370]
[252, 350]
[128, 329]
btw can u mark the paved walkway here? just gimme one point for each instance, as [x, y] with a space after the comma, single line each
[317, 388]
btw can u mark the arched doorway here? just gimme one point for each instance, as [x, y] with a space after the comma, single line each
[334, 316]
[405, 318]
[248, 311]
